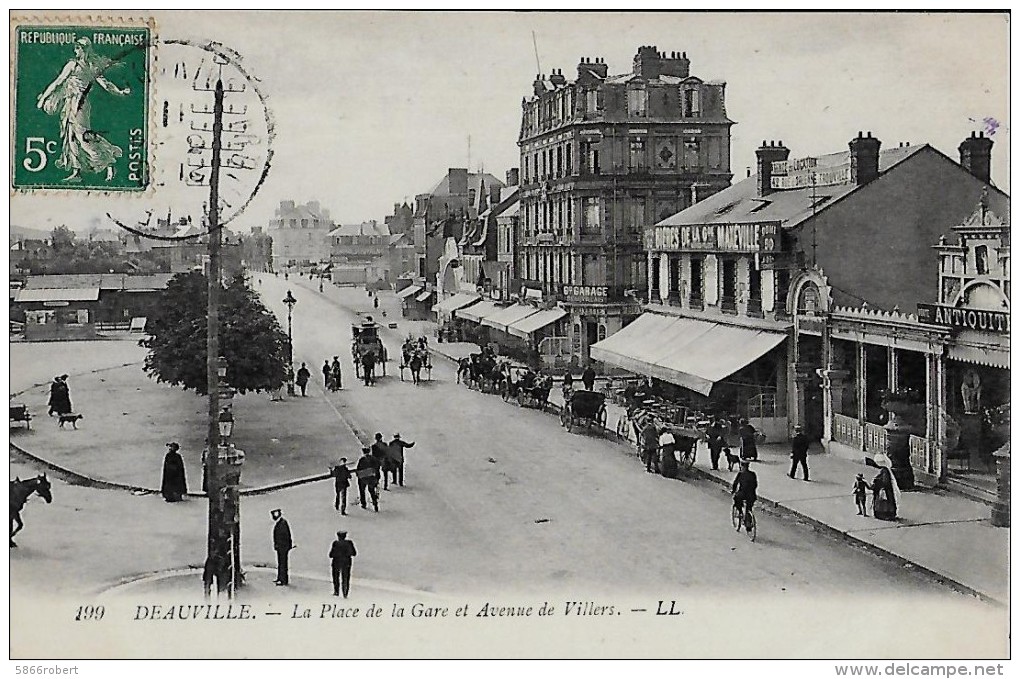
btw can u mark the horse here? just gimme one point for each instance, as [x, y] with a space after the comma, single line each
[463, 370]
[20, 492]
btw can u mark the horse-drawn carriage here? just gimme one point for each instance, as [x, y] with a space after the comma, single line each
[686, 433]
[415, 356]
[584, 408]
[528, 389]
[367, 348]
[483, 372]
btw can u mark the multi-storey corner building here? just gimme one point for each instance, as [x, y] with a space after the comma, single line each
[300, 234]
[601, 158]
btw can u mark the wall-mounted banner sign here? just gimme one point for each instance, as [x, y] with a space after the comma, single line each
[757, 237]
[597, 294]
[982, 320]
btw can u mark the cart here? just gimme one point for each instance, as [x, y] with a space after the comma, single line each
[585, 408]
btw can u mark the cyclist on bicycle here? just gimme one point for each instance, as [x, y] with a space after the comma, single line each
[745, 491]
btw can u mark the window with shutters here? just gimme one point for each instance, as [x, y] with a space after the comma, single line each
[637, 155]
[637, 101]
[592, 221]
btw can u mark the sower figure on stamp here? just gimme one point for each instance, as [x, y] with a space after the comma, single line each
[282, 543]
[82, 147]
[341, 556]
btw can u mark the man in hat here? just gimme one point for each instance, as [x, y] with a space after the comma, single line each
[341, 555]
[326, 373]
[381, 452]
[650, 444]
[745, 490]
[173, 486]
[282, 543]
[341, 482]
[800, 443]
[303, 375]
[338, 381]
[368, 477]
[396, 453]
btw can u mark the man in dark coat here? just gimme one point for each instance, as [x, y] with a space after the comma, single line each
[303, 375]
[716, 441]
[368, 478]
[396, 454]
[282, 543]
[748, 440]
[341, 482]
[588, 377]
[326, 373]
[173, 486]
[799, 443]
[368, 368]
[338, 382]
[650, 445]
[341, 556]
[381, 453]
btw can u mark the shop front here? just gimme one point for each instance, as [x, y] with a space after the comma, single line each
[595, 312]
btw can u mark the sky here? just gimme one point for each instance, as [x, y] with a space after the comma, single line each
[372, 108]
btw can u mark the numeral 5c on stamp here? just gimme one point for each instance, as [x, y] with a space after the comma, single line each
[81, 99]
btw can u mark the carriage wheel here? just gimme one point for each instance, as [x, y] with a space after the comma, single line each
[735, 518]
[688, 459]
[752, 527]
[621, 427]
[564, 417]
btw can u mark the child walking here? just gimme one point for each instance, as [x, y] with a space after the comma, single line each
[861, 489]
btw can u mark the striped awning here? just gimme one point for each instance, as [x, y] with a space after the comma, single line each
[480, 311]
[458, 301]
[530, 324]
[691, 353]
[508, 315]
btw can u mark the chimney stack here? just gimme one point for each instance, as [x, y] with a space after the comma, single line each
[768, 154]
[647, 62]
[513, 176]
[976, 156]
[864, 159]
[539, 85]
[557, 78]
[458, 180]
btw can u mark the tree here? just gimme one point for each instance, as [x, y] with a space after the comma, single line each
[250, 337]
[62, 239]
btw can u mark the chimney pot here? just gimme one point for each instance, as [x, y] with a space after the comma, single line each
[860, 135]
[685, 55]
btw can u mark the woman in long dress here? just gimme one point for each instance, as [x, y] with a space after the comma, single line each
[82, 148]
[885, 491]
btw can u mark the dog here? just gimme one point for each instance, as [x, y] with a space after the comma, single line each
[731, 459]
[69, 417]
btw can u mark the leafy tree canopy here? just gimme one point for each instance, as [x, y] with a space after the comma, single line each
[250, 337]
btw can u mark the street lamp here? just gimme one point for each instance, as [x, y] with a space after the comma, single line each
[226, 423]
[290, 301]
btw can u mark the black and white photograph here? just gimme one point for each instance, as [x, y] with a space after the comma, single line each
[505, 334]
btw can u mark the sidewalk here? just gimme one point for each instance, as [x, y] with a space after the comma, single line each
[947, 535]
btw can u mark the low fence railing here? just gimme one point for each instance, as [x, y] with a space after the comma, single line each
[875, 438]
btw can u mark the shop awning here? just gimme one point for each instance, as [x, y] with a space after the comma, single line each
[458, 301]
[423, 296]
[515, 312]
[989, 356]
[408, 291]
[530, 324]
[479, 311]
[691, 353]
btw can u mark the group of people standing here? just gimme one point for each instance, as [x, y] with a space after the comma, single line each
[332, 378]
[381, 459]
[341, 555]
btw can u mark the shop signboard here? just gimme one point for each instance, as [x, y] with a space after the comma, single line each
[591, 294]
[753, 237]
[982, 320]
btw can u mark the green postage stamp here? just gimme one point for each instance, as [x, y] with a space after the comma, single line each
[81, 98]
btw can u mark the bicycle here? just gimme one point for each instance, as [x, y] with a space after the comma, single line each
[747, 520]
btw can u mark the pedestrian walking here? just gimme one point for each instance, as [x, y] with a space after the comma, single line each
[800, 443]
[649, 444]
[375, 303]
[381, 453]
[716, 441]
[341, 482]
[861, 488]
[60, 396]
[282, 543]
[341, 556]
[173, 486]
[396, 451]
[303, 375]
[368, 368]
[327, 372]
[748, 440]
[588, 378]
[368, 478]
[337, 377]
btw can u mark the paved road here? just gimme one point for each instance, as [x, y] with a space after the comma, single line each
[502, 495]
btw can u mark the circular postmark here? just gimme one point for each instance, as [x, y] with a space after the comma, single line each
[188, 80]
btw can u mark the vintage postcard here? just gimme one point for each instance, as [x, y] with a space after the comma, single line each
[418, 334]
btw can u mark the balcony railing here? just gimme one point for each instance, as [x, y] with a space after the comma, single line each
[847, 430]
[918, 452]
[875, 438]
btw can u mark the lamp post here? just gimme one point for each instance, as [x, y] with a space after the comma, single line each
[290, 301]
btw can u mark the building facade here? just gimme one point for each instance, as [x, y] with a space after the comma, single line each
[602, 157]
[737, 282]
[300, 235]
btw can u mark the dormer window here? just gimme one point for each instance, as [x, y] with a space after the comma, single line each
[637, 101]
[692, 103]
